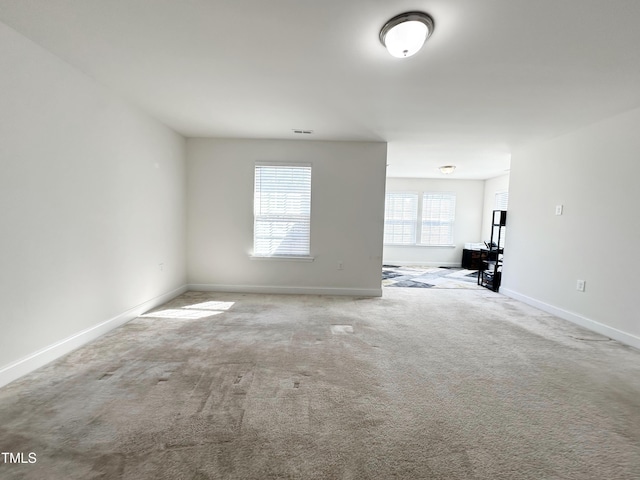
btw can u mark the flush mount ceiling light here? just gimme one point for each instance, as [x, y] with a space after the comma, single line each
[405, 34]
[447, 169]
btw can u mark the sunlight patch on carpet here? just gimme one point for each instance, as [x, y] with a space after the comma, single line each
[211, 305]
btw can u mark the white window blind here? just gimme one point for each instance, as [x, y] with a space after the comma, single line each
[438, 216]
[282, 210]
[400, 218]
[502, 200]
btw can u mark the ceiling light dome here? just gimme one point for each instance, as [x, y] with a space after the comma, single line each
[405, 34]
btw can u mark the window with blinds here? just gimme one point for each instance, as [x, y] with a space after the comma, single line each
[282, 210]
[438, 216]
[400, 218]
[502, 200]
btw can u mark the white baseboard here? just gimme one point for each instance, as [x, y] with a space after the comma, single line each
[585, 322]
[356, 292]
[423, 264]
[28, 364]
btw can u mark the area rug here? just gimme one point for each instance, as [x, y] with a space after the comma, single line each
[428, 277]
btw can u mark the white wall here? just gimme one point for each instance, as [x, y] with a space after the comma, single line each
[594, 173]
[491, 187]
[93, 199]
[347, 210]
[467, 228]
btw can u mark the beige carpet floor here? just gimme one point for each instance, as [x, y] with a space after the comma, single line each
[418, 384]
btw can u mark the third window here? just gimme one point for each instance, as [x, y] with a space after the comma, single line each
[419, 219]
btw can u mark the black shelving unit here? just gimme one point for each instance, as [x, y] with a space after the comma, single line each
[490, 273]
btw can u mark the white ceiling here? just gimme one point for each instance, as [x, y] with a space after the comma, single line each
[496, 74]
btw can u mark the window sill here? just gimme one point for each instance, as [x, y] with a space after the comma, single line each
[286, 258]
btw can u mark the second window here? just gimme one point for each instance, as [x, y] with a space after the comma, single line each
[409, 221]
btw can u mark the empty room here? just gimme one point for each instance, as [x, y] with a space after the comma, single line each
[319, 240]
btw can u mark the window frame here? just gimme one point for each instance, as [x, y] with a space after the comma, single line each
[501, 200]
[413, 195]
[450, 220]
[419, 219]
[257, 253]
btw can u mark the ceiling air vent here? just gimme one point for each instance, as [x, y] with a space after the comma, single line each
[302, 132]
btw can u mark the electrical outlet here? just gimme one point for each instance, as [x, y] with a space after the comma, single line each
[580, 285]
[161, 267]
[558, 209]
[340, 265]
